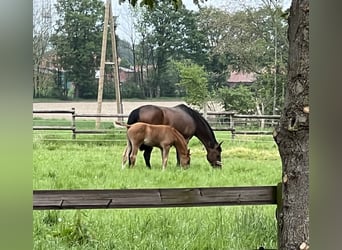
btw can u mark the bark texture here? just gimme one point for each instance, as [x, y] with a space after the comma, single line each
[292, 135]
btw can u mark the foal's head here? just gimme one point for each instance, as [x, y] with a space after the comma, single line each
[185, 159]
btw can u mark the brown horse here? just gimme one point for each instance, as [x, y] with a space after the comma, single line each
[161, 136]
[186, 120]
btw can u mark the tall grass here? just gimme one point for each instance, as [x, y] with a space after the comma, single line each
[78, 165]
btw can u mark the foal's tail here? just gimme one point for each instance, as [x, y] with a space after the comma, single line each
[122, 124]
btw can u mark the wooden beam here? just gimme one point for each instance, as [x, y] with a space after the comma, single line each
[53, 128]
[152, 198]
[102, 63]
[258, 116]
[102, 115]
[53, 111]
[115, 63]
[253, 132]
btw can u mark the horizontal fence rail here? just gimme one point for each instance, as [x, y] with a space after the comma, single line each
[258, 116]
[153, 198]
[102, 115]
[229, 124]
[53, 128]
[72, 127]
[54, 111]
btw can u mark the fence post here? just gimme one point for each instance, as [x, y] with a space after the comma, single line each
[73, 123]
[231, 125]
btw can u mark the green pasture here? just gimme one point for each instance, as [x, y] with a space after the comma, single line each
[94, 162]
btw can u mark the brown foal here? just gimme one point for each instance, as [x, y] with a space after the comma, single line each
[161, 136]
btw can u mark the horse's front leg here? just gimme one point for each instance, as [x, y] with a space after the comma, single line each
[178, 159]
[165, 155]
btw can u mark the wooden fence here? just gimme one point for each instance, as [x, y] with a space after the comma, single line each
[72, 126]
[152, 198]
[157, 198]
[220, 121]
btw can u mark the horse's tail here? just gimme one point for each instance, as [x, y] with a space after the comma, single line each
[122, 124]
[133, 116]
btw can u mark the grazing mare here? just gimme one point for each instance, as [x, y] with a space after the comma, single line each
[161, 136]
[186, 120]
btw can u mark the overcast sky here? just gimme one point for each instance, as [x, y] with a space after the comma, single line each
[124, 29]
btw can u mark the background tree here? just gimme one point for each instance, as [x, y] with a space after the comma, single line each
[140, 53]
[168, 34]
[239, 99]
[194, 79]
[209, 24]
[254, 40]
[77, 39]
[42, 21]
[125, 53]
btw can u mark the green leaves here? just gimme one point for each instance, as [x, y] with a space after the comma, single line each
[168, 34]
[252, 40]
[152, 3]
[194, 80]
[239, 99]
[77, 38]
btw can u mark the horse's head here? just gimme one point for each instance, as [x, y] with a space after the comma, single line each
[214, 156]
[185, 160]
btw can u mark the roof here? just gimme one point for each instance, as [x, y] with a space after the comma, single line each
[237, 77]
[126, 69]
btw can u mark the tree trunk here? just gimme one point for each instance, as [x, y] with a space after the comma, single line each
[36, 83]
[205, 110]
[260, 111]
[292, 135]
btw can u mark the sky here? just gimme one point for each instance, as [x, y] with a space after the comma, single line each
[124, 30]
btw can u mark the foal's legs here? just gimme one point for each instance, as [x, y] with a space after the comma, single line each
[165, 154]
[178, 157]
[125, 155]
[133, 154]
[124, 158]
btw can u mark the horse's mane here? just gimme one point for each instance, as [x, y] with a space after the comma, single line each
[198, 118]
[179, 137]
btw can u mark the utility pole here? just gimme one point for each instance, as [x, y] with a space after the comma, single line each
[119, 107]
[108, 19]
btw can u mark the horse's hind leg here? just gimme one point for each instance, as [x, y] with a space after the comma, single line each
[147, 155]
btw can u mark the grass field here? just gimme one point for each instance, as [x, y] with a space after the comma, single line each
[96, 164]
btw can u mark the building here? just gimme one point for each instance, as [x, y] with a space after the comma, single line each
[125, 74]
[241, 78]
